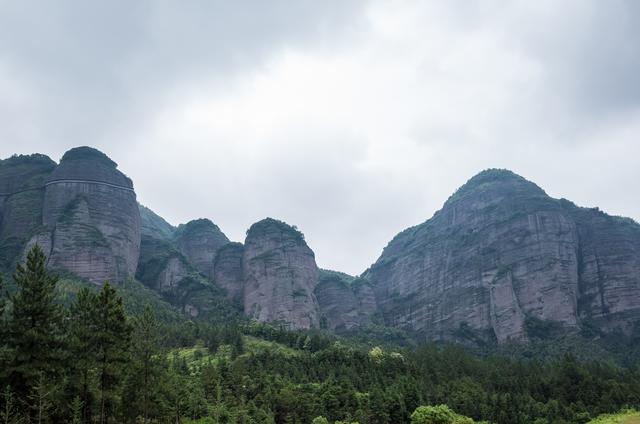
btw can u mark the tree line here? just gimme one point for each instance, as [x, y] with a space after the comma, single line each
[91, 362]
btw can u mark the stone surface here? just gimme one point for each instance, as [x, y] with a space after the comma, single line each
[228, 271]
[199, 240]
[501, 252]
[21, 201]
[608, 268]
[153, 225]
[91, 211]
[345, 302]
[280, 273]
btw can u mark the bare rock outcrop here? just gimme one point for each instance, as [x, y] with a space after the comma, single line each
[153, 225]
[501, 254]
[21, 201]
[199, 240]
[91, 213]
[228, 271]
[280, 273]
[345, 302]
[499, 251]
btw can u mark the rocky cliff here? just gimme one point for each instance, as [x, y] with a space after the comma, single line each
[228, 271]
[21, 201]
[199, 240]
[280, 273]
[345, 302]
[501, 253]
[153, 225]
[91, 222]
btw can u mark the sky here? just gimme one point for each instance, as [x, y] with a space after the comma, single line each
[350, 119]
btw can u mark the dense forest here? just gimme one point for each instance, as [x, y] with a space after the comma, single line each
[87, 359]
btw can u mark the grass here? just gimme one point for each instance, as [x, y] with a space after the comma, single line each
[624, 417]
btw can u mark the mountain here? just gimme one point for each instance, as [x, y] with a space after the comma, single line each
[501, 258]
[82, 212]
[501, 261]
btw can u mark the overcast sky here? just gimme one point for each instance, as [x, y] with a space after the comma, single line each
[350, 119]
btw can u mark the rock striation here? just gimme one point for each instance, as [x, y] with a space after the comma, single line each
[279, 273]
[228, 271]
[21, 202]
[345, 302]
[501, 254]
[153, 225]
[199, 240]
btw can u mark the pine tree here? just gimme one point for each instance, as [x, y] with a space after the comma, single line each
[4, 351]
[36, 337]
[83, 327]
[146, 349]
[111, 338]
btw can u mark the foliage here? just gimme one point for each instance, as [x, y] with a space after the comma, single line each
[127, 364]
[440, 414]
[629, 416]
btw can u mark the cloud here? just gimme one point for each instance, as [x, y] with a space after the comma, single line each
[351, 120]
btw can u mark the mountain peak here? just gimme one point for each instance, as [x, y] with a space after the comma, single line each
[496, 180]
[88, 153]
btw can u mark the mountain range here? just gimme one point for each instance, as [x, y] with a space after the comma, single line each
[500, 261]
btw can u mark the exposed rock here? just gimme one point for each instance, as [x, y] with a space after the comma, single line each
[199, 240]
[228, 271]
[153, 225]
[345, 302]
[21, 201]
[280, 273]
[90, 208]
[166, 270]
[608, 268]
[161, 266]
[499, 250]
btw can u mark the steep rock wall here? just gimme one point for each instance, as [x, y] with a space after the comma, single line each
[499, 251]
[21, 201]
[91, 212]
[280, 273]
[199, 240]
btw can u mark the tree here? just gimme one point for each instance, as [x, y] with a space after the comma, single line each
[83, 327]
[440, 414]
[36, 336]
[146, 356]
[3, 335]
[111, 338]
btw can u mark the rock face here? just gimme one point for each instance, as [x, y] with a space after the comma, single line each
[228, 271]
[501, 253]
[279, 272]
[90, 215]
[21, 202]
[345, 302]
[153, 225]
[199, 240]
[608, 268]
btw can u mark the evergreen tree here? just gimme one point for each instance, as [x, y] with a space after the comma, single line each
[111, 338]
[35, 327]
[145, 376]
[83, 326]
[4, 353]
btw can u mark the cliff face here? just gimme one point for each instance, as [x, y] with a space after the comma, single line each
[501, 252]
[228, 271]
[91, 218]
[345, 302]
[153, 225]
[280, 273]
[608, 268]
[199, 240]
[21, 201]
